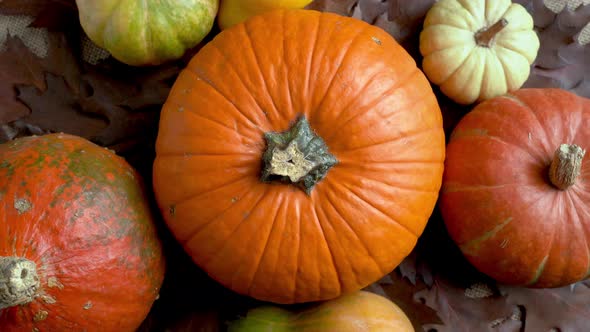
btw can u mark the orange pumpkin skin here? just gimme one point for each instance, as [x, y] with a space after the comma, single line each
[497, 200]
[362, 93]
[79, 213]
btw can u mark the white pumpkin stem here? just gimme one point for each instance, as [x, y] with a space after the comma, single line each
[566, 165]
[19, 282]
[485, 36]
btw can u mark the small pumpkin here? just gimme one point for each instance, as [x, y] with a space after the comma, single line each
[356, 312]
[477, 49]
[142, 33]
[232, 12]
[517, 186]
[299, 156]
[78, 247]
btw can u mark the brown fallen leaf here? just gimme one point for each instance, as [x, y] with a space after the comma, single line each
[564, 56]
[116, 112]
[565, 309]
[401, 291]
[56, 109]
[33, 8]
[401, 19]
[18, 65]
[471, 309]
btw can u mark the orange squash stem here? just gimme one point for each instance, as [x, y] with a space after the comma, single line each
[19, 282]
[566, 165]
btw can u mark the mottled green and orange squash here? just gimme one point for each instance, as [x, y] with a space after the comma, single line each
[147, 32]
[78, 245]
[299, 156]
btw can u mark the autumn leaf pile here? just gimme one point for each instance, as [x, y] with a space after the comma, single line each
[118, 106]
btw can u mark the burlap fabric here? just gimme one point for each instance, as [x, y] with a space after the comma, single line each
[36, 39]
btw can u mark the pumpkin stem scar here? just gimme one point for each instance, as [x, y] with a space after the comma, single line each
[566, 165]
[485, 36]
[19, 282]
[296, 156]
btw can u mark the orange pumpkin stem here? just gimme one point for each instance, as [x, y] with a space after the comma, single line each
[296, 156]
[566, 165]
[485, 36]
[19, 282]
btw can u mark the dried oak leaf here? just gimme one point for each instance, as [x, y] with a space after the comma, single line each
[56, 109]
[40, 9]
[469, 309]
[131, 100]
[565, 309]
[18, 65]
[416, 270]
[402, 19]
[111, 112]
[563, 60]
[401, 291]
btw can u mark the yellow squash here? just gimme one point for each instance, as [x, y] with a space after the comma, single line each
[232, 12]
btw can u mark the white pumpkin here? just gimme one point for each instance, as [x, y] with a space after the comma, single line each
[477, 49]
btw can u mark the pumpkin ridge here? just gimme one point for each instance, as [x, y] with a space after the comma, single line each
[105, 22]
[148, 31]
[299, 252]
[578, 109]
[414, 133]
[506, 46]
[310, 63]
[398, 186]
[207, 81]
[579, 221]
[354, 232]
[204, 224]
[252, 49]
[317, 210]
[215, 188]
[346, 109]
[371, 104]
[581, 225]
[529, 109]
[237, 227]
[500, 140]
[491, 64]
[472, 133]
[278, 200]
[458, 188]
[222, 125]
[473, 12]
[284, 59]
[278, 205]
[362, 199]
[209, 154]
[504, 66]
[459, 66]
[345, 54]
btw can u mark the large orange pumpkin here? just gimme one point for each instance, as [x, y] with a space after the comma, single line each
[516, 190]
[299, 156]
